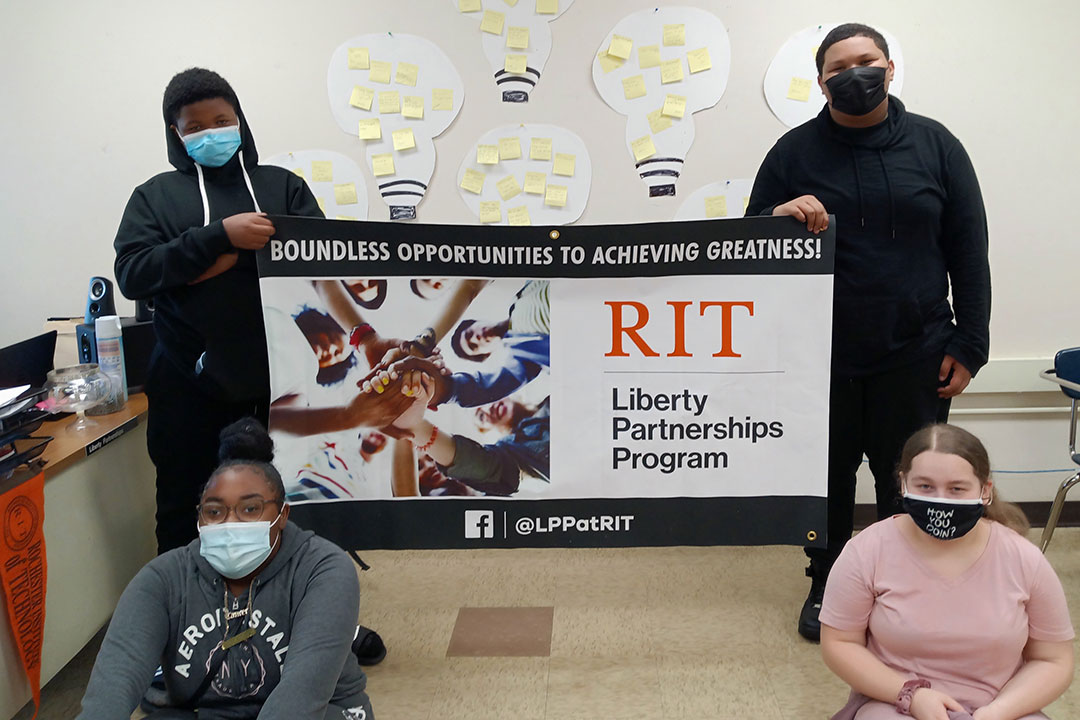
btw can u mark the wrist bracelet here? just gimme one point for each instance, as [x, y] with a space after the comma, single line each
[361, 331]
[431, 440]
[903, 698]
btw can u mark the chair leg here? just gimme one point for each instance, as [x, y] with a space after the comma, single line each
[1055, 510]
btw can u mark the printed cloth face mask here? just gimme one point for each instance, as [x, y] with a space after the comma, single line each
[235, 549]
[212, 147]
[857, 90]
[943, 519]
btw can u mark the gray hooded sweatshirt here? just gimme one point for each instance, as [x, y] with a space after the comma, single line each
[172, 613]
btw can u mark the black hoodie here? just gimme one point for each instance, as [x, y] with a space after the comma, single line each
[162, 245]
[909, 220]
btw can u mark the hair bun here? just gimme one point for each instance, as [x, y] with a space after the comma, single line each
[246, 439]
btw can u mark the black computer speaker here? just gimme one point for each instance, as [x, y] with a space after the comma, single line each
[99, 301]
[144, 310]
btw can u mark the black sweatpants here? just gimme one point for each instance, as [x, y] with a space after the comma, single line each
[873, 415]
[183, 422]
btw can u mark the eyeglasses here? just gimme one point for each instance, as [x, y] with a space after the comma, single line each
[247, 510]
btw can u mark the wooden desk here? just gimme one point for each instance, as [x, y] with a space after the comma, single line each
[99, 531]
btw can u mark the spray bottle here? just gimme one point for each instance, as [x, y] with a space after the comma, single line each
[110, 353]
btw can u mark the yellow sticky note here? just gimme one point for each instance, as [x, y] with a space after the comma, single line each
[620, 47]
[547, 7]
[322, 170]
[509, 148]
[508, 187]
[413, 107]
[359, 59]
[698, 60]
[511, 3]
[403, 139]
[716, 206]
[487, 154]
[609, 63]
[467, 6]
[345, 194]
[492, 22]
[517, 38]
[540, 149]
[519, 215]
[490, 212]
[555, 196]
[406, 74]
[370, 129]
[745, 203]
[442, 99]
[515, 64]
[671, 71]
[564, 164]
[322, 205]
[299, 172]
[383, 164]
[379, 72]
[389, 102]
[535, 182]
[648, 56]
[813, 52]
[473, 181]
[674, 106]
[643, 148]
[674, 35]
[362, 97]
[799, 89]
[345, 217]
[633, 87]
[658, 122]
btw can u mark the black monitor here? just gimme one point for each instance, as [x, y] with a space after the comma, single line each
[27, 362]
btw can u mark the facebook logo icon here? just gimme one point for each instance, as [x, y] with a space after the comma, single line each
[479, 524]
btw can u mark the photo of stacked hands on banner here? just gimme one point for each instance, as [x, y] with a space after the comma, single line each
[405, 387]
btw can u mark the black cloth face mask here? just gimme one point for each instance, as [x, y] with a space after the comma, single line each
[857, 90]
[943, 519]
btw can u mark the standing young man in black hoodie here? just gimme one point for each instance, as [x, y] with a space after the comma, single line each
[188, 240]
[909, 222]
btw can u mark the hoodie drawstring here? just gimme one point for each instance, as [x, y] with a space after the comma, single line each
[202, 189]
[858, 185]
[888, 189]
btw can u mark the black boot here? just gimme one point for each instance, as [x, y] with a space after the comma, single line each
[368, 646]
[809, 625]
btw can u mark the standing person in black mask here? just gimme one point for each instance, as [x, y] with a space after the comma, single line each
[910, 222]
[188, 240]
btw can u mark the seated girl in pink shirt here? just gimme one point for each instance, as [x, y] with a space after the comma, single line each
[947, 612]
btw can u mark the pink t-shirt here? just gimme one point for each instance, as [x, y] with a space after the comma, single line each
[964, 635]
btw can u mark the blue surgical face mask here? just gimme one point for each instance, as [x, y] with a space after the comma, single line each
[212, 147]
[236, 549]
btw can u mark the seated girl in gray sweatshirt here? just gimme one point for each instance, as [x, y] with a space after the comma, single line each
[254, 618]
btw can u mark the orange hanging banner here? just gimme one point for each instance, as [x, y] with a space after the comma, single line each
[23, 569]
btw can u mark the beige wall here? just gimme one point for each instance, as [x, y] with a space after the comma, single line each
[81, 126]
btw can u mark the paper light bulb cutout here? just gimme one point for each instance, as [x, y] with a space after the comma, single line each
[677, 63]
[718, 200]
[395, 92]
[335, 180]
[790, 85]
[516, 40]
[541, 175]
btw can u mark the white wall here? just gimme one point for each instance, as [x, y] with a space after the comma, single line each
[81, 127]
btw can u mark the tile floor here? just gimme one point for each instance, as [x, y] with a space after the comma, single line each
[677, 633]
